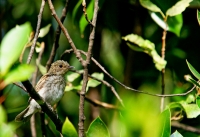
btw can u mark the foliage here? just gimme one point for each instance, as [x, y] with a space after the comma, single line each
[119, 23]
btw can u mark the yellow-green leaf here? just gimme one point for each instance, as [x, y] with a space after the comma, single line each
[68, 129]
[12, 46]
[178, 8]
[21, 73]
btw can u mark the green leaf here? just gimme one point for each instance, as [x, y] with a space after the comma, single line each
[198, 101]
[191, 80]
[191, 110]
[94, 83]
[83, 22]
[3, 117]
[21, 73]
[68, 129]
[193, 70]
[165, 123]
[151, 6]
[44, 31]
[198, 16]
[98, 129]
[190, 99]
[174, 24]
[75, 10]
[12, 46]
[178, 8]
[176, 134]
[72, 77]
[145, 46]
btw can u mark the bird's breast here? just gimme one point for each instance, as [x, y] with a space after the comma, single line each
[53, 89]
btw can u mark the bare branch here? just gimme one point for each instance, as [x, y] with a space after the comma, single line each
[129, 88]
[64, 30]
[163, 70]
[85, 74]
[101, 104]
[37, 32]
[85, 12]
[105, 83]
[185, 127]
[57, 37]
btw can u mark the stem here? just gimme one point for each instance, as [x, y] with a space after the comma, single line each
[85, 74]
[163, 70]
[37, 32]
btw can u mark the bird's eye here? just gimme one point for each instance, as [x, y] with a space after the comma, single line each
[60, 66]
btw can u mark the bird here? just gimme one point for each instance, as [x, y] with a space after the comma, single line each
[50, 87]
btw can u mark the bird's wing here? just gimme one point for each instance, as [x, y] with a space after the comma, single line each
[41, 82]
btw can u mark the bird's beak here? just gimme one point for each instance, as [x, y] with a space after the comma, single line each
[71, 67]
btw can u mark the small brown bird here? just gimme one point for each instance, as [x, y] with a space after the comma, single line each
[50, 87]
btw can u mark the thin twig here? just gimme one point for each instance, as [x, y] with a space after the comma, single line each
[85, 74]
[101, 104]
[105, 83]
[37, 32]
[20, 86]
[32, 125]
[34, 79]
[163, 70]
[185, 127]
[57, 37]
[85, 12]
[129, 88]
[65, 32]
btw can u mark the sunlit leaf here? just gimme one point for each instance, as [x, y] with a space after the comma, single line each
[191, 110]
[21, 73]
[151, 6]
[193, 70]
[174, 24]
[44, 31]
[190, 98]
[83, 22]
[94, 83]
[198, 16]
[72, 77]
[178, 8]
[176, 134]
[68, 129]
[166, 123]
[71, 87]
[137, 43]
[12, 46]
[98, 129]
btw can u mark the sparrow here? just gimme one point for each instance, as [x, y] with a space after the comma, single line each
[50, 87]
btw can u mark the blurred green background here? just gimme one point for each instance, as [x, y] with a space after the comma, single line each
[116, 18]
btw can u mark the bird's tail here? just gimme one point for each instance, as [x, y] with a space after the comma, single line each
[22, 117]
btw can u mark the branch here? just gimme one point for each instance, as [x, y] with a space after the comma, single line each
[85, 12]
[37, 32]
[57, 37]
[105, 83]
[163, 70]
[101, 104]
[45, 107]
[129, 88]
[64, 30]
[185, 127]
[85, 74]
